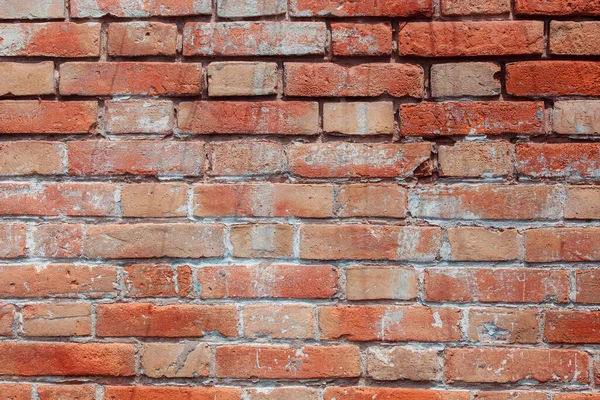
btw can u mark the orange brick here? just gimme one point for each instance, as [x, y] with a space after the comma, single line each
[582, 202]
[171, 393]
[381, 282]
[34, 9]
[66, 392]
[139, 116]
[471, 118]
[481, 244]
[552, 78]
[476, 159]
[333, 80]
[367, 8]
[50, 39]
[175, 360]
[185, 240]
[372, 200]
[7, 320]
[47, 117]
[15, 391]
[557, 7]
[148, 200]
[402, 363]
[263, 200]
[130, 78]
[29, 157]
[29, 79]
[382, 393]
[178, 320]
[267, 117]
[273, 362]
[492, 285]
[390, 323]
[239, 78]
[587, 286]
[562, 244]
[57, 240]
[501, 365]
[503, 325]
[246, 158]
[138, 157]
[13, 239]
[58, 280]
[70, 359]
[350, 39]
[268, 281]
[475, 7]
[471, 38]
[157, 280]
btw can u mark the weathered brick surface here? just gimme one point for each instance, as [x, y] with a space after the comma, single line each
[299, 200]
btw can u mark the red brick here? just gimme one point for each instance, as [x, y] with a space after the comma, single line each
[471, 38]
[379, 393]
[50, 39]
[574, 38]
[171, 393]
[574, 161]
[372, 200]
[142, 38]
[488, 201]
[562, 244]
[30, 157]
[582, 202]
[366, 8]
[133, 78]
[390, 323]
[56, 240]
[12, 240]
[262, 240]
[139, 8]
[147, 240]
[402, 363]
[493, 285]
[557, 7]
[572, 326]
[498, 365]
[55, 199]
[266, 117]
[471, 118]
[250, 8]
[246, 158]
[29, 79]
[587, 286]
[34, 9]
[179, 320]
[465, 79]
[481, 244]
[578, 117]
[503, 325]
[333, 80]
[71, 359]
[263, 200]
[7, 321]
[138, 157]
[57, 280]
[15, 391]
[381, 283]
[476, 159]
[268, 38]
[475, 7]
[139, 116]
[359, 160]
[176, 360]
[369, 242]
[66, 392]
[553, 78]
[279, 321]
[267, 281]
[273, 362]
[157, 280]
[148, 200]
[350, 39]
[47, 117]
[60, 319]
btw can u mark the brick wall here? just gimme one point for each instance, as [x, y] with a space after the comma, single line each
[313, 200]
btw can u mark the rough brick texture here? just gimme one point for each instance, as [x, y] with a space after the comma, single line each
[299, 200]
